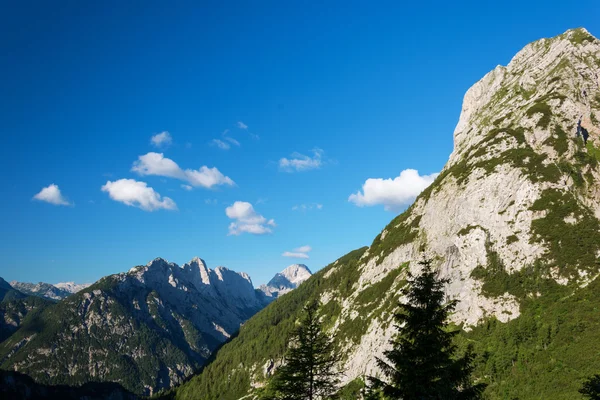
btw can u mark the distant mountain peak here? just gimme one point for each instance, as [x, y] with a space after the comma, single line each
[285, 281]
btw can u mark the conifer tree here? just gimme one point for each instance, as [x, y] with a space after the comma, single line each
[591, 388]
[422, 363]
[309, 372]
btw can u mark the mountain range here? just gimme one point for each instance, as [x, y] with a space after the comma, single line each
[512, 221]
[146, 329]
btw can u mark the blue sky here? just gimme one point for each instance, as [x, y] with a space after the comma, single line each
[312, 99]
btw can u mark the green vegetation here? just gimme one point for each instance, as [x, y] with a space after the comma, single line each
[591, 388]
[559, 140]
[156, 336]
[467, 229]
[572, 245]
[579, 37]
[310, 365]
[511, 239]
[592, 150]
[541, 108]
[264, 336]
[548, 350]
[19, 311]
[423, 363]
[398, 232]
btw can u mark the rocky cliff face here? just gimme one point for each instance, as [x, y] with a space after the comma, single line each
[146, 329]
[285, 281]
[511, 220]
[519, 189]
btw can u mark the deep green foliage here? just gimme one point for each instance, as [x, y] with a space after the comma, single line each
[422, 363]
[591, 388]
[310, 362]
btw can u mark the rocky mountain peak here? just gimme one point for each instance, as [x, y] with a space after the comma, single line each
[285, 281]
[561, 73]
[296, 273]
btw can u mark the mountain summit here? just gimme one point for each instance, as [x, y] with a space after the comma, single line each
[285, 281]
[512, 220]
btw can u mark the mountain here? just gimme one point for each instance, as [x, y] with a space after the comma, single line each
[145, 329]
[14, 312]
[72, 287]
[41, 289]
[17, 386]
[285, 281]
[8, 293]
[512, 220]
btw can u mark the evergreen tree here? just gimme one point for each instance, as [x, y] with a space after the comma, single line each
[309, 372]
[422, 363]
[591, 388]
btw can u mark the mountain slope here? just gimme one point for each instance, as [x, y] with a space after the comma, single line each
[145, 329]
[41, 289]
[8, 293]
[285, 281]
[512, 221]
[13, 313]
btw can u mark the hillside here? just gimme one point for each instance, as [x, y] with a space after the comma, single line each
[512, 220]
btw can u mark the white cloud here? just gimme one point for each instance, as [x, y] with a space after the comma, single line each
[226, 143]
[246, 219]
[220, 144]
[294, 255]
[232, 141]
[157, 164]
[161, 140]
[307, 207]
[392, 193]
[301, 162]
[303, 249]
[300, 252]
[51, 194]
[137, 194]
[242, 125]
[186, 187]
